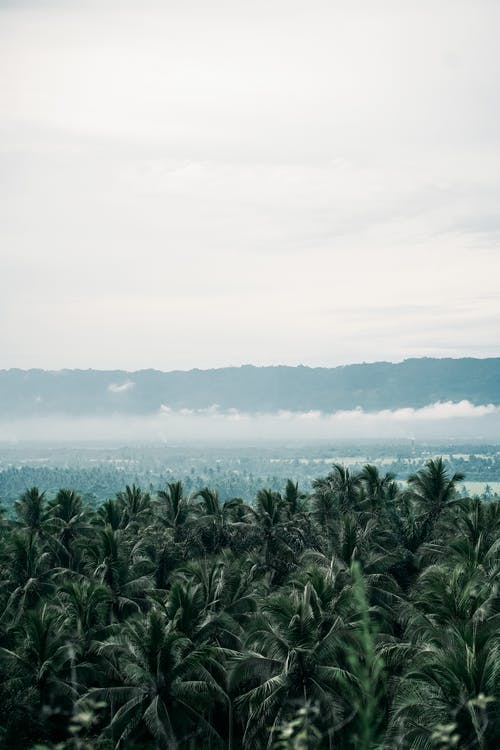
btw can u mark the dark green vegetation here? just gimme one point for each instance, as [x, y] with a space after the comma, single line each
[237, 470]
[379, 385]
[359, 617]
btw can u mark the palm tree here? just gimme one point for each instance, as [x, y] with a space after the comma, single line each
[111, 513]
[41, 658]
[27, 577]
[475, 537]
[282, 539]
[165, 683]
[31, 512]
[218, 523]
[213, 599]
[294, 499]
[434, 489]
[287, 662]
[135, 503]
[175, 508]
[379, 490]
[458, 596]
[186, 609]
[440, 688]
[211, 520]
[84, 605]
[127, 582]
[354, 541]
[69, 522]
[449, 657]
[335, 494]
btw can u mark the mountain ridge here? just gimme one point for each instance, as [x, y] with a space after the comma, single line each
[373, 386]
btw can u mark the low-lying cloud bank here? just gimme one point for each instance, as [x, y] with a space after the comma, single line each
[438, 411]
[450, 420]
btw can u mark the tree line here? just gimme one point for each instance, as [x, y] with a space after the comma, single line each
[359, 616]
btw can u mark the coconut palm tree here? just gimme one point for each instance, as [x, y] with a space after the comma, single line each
[294, 500]
[41, 660]
[28, 575]
[379, 490]
[434, 490]
[282, 539]
[114, 566]
[288, 661]
[213, 599]
[211, 520]
[475, 537]
[69, 524]
[174, 509]
[32, 513]
[84, 606]
[165, 684]
[448, 658]
[111, 513]
[135, 504]
[441, 688]
[336, 493]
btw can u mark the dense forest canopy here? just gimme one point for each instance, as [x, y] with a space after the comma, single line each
[361, 615]
[236, 469]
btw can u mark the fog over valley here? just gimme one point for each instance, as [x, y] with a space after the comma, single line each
[445, 420]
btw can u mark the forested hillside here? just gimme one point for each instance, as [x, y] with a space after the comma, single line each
[380, 385]
[360, 616]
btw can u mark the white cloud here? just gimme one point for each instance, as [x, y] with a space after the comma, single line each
[448, 420]
[121, 387]
[445, 420]
[444, 410]
[185, 412]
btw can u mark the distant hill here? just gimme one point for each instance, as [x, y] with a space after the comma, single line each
[374, 386]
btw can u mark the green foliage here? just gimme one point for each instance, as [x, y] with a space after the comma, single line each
[362, 616]
[300, 733]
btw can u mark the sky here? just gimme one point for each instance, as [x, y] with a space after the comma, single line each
[202, 184]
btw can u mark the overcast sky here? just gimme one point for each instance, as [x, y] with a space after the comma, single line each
[198, 184]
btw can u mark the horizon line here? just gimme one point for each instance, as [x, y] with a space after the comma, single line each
[246, 365]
